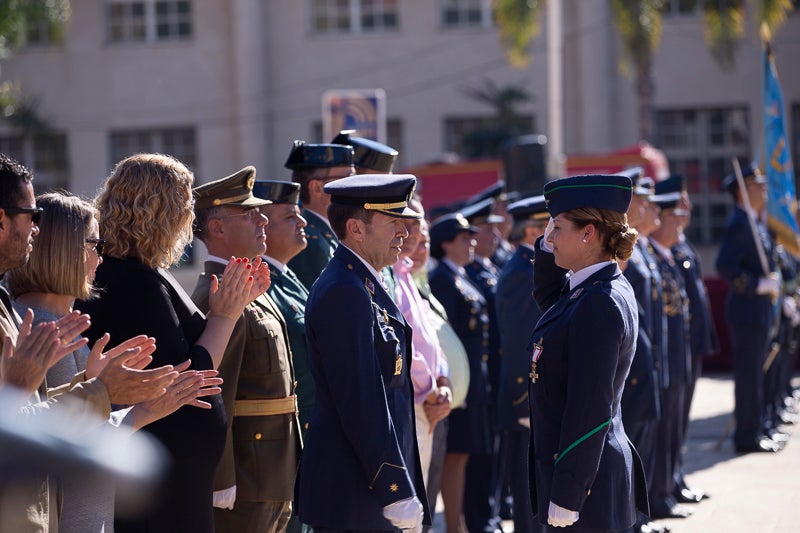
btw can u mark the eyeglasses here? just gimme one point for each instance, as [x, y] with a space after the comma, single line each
[99, 244]
[35, 212]
[251, 214]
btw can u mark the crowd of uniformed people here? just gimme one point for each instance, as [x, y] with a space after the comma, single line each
[344, 360]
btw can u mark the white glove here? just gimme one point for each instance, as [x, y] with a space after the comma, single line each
[768, 286]
[560, 517]
[545, 245]
[225, 498]
[524, 422]
[404, 514]
[791, 311]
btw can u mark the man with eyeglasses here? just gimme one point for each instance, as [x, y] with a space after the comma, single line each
[254, 479]
[312, 166]
[25, 504]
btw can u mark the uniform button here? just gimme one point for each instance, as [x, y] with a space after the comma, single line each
[485, 342]
[349, 267]
[305, 426]
[485, 357]
[520, 379]
[634, 381]
[473, 311]
[258, 436]
[555, 456]
[589, 492]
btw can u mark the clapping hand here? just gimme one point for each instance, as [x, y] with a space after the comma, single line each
[242, 282]
[25, 364]
[122, 370]
[187, 389]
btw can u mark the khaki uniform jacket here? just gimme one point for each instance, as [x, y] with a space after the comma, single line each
[261, 452]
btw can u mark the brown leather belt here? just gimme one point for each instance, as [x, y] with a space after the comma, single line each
[277, 406]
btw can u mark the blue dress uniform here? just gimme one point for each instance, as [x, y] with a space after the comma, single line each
[322, 243]
[482, 493]
[678, 356]
[580, 456]
[466, 310]
[750, 318]
[582, 349]
[517, 314]
[641, 397]
[361, 452]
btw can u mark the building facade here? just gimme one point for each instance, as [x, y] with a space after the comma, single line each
[224, 84]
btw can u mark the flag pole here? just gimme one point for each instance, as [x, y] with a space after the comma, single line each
[762, 255]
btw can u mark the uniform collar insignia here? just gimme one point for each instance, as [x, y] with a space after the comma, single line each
[576, 293]
[370, 286]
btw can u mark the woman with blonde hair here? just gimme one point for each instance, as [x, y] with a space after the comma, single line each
[61, 268]
[146, 214]
[584, 472]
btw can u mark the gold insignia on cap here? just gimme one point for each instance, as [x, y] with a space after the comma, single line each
[250, 182]
[393, 487]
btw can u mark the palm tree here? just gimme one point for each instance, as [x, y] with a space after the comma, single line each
[639, 24]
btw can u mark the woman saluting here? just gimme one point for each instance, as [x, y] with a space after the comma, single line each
[584, 472]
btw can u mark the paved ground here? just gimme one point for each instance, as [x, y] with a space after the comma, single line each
[754, 493]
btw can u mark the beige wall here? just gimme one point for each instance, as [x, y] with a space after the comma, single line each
[251, 80]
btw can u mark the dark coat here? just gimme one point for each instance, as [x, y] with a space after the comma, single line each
[138, 300]
[517, 315]
[580, 456]
[361, 451]
[322, 242]
[290, 296]
[739, 265]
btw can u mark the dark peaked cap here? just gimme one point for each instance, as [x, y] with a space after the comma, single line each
[233, 190]
[750, 171]
[481, 212]
[530, 208]
[384, 193]
[277, 192]
[304, 155]
[368, 153]
[602, 191]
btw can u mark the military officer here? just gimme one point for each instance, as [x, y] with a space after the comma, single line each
[312, 166]
[500, 200]
[453, 246]
[584, 472]
[361, 468]
[254, 478]
[702, 336]
[677, 350]
[286, 238]
[753, 289]
[372, 157]
[481, 500]
[641, 397]
[517, 314]
[369, 157]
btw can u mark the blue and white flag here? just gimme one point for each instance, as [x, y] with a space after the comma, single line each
[782, 197]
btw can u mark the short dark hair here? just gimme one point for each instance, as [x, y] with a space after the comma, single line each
[13, 176]
[338, 215]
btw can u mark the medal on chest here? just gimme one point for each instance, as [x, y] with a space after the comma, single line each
[535, 355]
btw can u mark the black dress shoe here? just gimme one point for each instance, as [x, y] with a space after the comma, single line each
[761, 445]
[652, 527]
[777, 436]
[688, 496]
[676, 511]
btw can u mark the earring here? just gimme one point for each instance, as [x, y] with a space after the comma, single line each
[583, 240]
